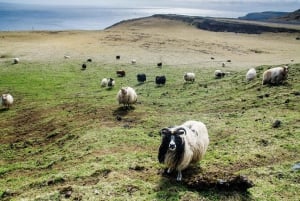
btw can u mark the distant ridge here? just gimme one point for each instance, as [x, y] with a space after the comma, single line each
[276, 17]
[220, 24]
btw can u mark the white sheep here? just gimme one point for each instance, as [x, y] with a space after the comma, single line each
[189, 77]
[219, 74]
[251, 74]
[183, 145]
[127, 96]
[133, 61]
[275, 75]
[104, 82]
[7, 100]
[16, 60]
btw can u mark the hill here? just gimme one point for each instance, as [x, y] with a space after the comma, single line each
[225, 25]
[66, 138]
[274, 17]
[263, 16]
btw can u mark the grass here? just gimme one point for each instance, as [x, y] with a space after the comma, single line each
[62, 133]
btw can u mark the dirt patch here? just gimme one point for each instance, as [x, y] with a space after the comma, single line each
[31, 127]
[196, 178]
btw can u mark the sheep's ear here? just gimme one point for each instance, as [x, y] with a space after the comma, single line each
[180, 131]
[164, 131]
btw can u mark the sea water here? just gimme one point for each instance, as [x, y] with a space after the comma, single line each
[22, 17]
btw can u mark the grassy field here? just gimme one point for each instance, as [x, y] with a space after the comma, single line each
[62, 139]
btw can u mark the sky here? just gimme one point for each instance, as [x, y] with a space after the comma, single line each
[228, 5]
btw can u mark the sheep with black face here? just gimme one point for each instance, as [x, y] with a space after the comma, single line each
[183, 145]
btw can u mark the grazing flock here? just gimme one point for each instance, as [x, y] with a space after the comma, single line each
[180, 145]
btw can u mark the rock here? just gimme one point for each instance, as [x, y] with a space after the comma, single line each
[276, 124]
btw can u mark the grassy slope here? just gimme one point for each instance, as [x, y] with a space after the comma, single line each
[62, 133]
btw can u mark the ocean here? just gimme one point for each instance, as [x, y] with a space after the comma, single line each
[22, 17]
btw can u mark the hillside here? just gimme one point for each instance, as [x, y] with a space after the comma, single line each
[66, 138]
[225, 25]
[274, 17]
[263, 16]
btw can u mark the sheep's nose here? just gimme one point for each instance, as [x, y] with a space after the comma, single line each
[172, 147]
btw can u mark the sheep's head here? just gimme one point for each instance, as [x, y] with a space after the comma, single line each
[172, 137]
[124, 90]
[4, 97]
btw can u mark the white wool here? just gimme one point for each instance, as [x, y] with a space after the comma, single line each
[16, 60]
[7, 100]
[104, 82]
[275, 75]
[189, 77]
[196, 143]
[251, 74]
[127, 96]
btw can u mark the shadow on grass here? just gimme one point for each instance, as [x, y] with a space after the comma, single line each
[3, 110]
[123, 110]
[218, 185]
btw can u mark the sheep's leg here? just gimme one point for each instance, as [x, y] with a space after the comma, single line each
[179, 175]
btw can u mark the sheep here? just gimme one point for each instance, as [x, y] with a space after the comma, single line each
[7, 100]
[83, 66]
[275, 76]
[159, 64]
[104, 82]
[251, 74]
[127, 96]
[219, 74]
[121, 73]
[89, 60]
[133, 61]
[118, 57]
[111, 82]
[141, 77]
[223, 64]
[183, 145]
[16, 60]
[160, 80]
[189, 77]
[67, 57]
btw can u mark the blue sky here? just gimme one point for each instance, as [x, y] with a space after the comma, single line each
[228, 5]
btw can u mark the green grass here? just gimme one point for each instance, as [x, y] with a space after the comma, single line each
[62, 132]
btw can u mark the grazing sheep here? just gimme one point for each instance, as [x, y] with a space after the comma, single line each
[219, 74]
[104, 82]
[16, 60]
[212, 58]
[183, 145]
[160, 80]
[141, 77]
[7, 100]
[67, 57]
[133, 61]
[83, 66]
[159, 64]
[111, 82]
[121, 73]
[251, 74]
[275, 76]
[118, 57]
[89, 60]
[127, 96]
[189, 77]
